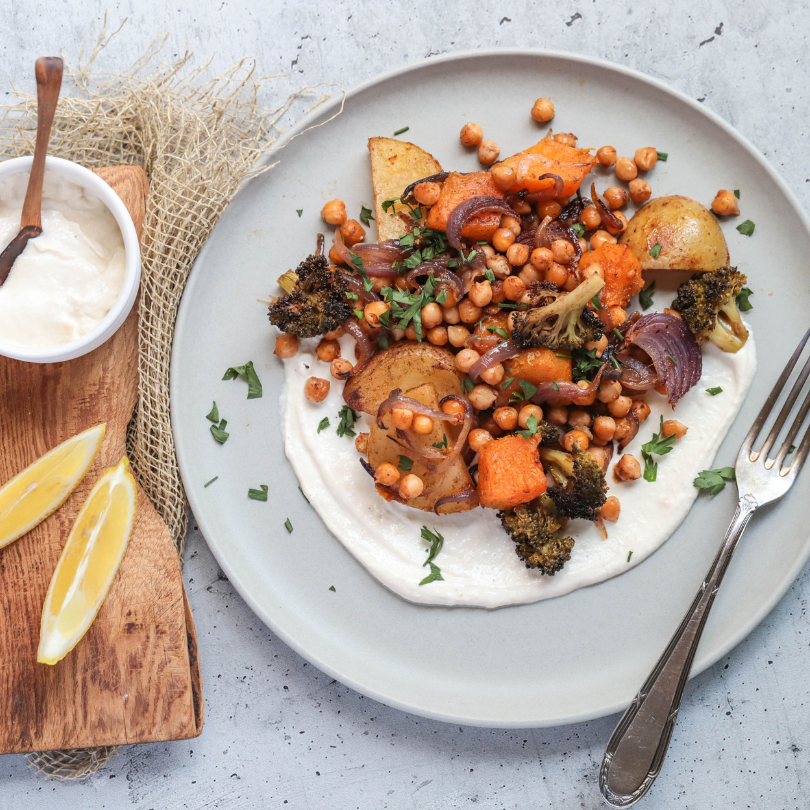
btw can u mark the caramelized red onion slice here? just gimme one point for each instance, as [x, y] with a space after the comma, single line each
[461, 439]
[355, 285]
[465, 211]
[433, 178]
[609, 219]
[634, 426]
[554, 189]
[364, 345]
[397, 400]
[469, 495]
[540, 238]
[567, 390]
[672, 348]
[504, 351]
[635, 375]
[377, 258]
[439, 270]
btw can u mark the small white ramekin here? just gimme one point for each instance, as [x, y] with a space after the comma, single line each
[132, 275]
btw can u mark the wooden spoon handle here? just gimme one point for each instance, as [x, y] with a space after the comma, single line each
[49, 82]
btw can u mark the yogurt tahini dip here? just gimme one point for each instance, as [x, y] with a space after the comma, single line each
[67, 279]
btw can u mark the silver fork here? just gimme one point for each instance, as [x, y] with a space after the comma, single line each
[636, 750]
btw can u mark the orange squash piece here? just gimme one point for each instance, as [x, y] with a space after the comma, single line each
[455, 190]
[540, 365]
[550, 157]
[622, 272]
[510, 472]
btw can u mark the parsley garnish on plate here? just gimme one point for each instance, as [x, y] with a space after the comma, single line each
[746, 228]
[578, 228]
[596, 303]
[585, 361]
[347, 419]
[259, 494]
[506, 383]
[218, 431]
[211, 481]
[405, 463]
[436, 542]
[629, 555]
[497, 330]
[288, 525]
[714, 391]
[527, 391]
[214, 415]
[659, 445]
[442, 444]
[299, 211]
[302, 493]
[743, 303]
[555, 386]
[714, 480]
[663, 156]
[467, 384]
[323, 424]
[655, 250]
[645, 297]
[357, 261]
[531, 427]
[248, 373]
[401, 130]
[365, 215]
[332, 588]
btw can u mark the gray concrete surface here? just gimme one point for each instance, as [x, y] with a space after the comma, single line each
[280, 734]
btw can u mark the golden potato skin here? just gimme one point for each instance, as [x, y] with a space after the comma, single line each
[405, 365]
[395, 165]
[690, 237]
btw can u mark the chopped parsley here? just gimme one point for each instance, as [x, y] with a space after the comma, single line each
[531, 427]
[218, 431]
[405, 463]
[347, 419]
[365, 215]
[742, 299]
[673, 360]
[615, 362]
[512, 305]
[746, 228]
[490, 275]
[382, 342]
[406, 307]
[497, 330]
[357, 261]
[211, 481]
[323, 424]
[527, 391]
[555, 386]
[661, 156]
[288, 525]
[585, 362]
[352, 296]
[302, 493]
[595, 303]
[401, 130]
[792, 448]
[655, 250]
[737, 193]
[442, 444]
[441, 298]
[299, 211]
[714, 480]
[332, 588]
[629, 555]
[434, 575]
[618, 334]
[578, 228]
[259, 494]
[359, 314]
[714, 391]
[506, 383]
[214, 415]
[248, 373]
[467, 384]
[659, 445]
[645, 297]
[436, 542]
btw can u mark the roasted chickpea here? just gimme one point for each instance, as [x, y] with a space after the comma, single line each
[352, 232]
[386, 474]
[361, 443]
[626, 169]
[548, 208]
[592, 269]
[480, 293]
[575, 440]
[624, 426]
[498, 297]
[627, 468]
[503, 176]
[725, 204]
[578, 418]
[402, 418]
[520, 206]
[410, 332]
[481, 397]
[616, 197]
[316, 389]
[604, 427]
[471, 134]
[340, 367]
[373, 311]
[493, 375]
[622, 218]
[610, 391]
[618, 315]
[528, 275]
[541, 258]
[466, 359]
[437, 335]
[590, 217]
[478, 438]
[640, 190]
[606, 156]
[328, 350]
[488, 152]
[672, 427]
[598, 453]
[585, 399]
[641, 409]
[506, 418]
[528, 411]
[468, 311]
[334, 256]
[334, 212]
[450, 314]
[422, 424]
[457, 336]
[286, 345]
[542, 110]
[502, 239]
[645, 158]
[599, 345]
[487, 250]
[427, 193]
[397, 334]
[517, 254]
[557, 415]
[600, 237]
[572, 282]
[511, 223]
[499, 266]
[557, 274]
[431, 315]
[610, 509]
[563, 251]
[336, 333]
[514, 288]
[620, 406]
[568, 138]
[411, 486]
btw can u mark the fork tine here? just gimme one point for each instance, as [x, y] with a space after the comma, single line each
[774, 395]
[786, 409]
[794, 429]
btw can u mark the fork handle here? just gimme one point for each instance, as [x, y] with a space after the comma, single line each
[636, 750]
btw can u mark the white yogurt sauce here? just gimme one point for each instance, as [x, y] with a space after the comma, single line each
[478, 560]
[68, 278]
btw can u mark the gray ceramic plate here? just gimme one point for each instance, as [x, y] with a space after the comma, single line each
[559, 661]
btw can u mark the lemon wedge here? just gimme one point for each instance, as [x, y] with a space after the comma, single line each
[39, 490]
[89, 561]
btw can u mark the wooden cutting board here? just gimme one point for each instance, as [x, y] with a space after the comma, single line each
[135, 675]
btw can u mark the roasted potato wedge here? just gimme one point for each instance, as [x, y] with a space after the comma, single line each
[383, 446]
[405, 365]
[395, 165]
[690, 237]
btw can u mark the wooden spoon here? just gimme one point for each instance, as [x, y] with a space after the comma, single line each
[49, 82]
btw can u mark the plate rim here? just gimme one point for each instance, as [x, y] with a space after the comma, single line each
[332, 106]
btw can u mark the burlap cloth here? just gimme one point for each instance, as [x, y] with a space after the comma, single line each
[198, 140]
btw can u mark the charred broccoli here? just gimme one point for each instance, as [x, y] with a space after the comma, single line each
[565, 323]
[708, 305]
[550, 433]
[314, 301]
[581, 490]
[535, 529]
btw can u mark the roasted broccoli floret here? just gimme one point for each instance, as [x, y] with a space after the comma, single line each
[565, 323]
[581, 490]
[550, 433]
[314, 301]
[708, 305]
[535, 527]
